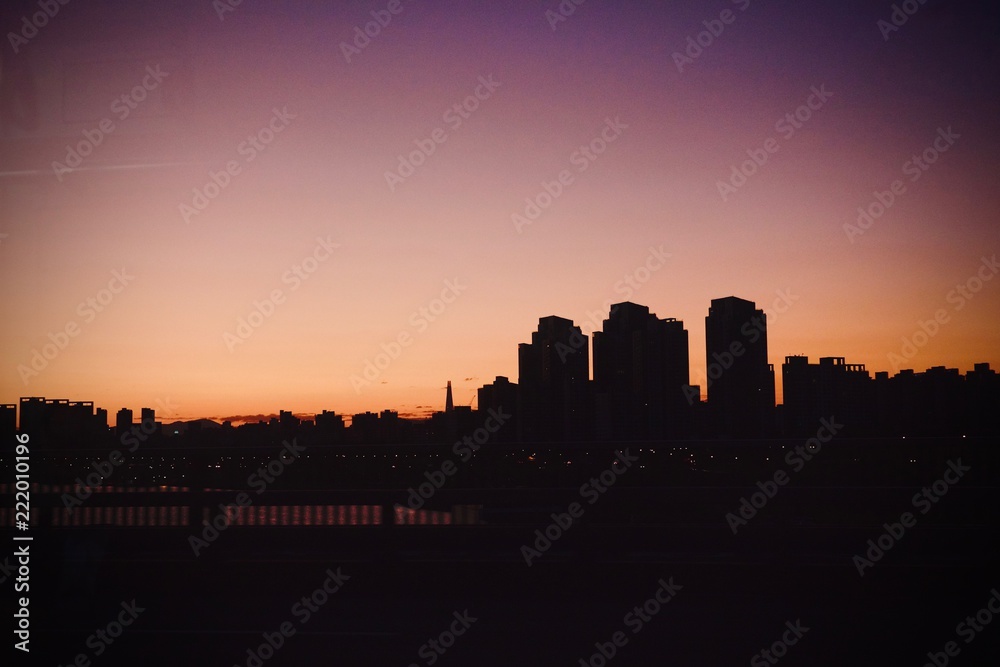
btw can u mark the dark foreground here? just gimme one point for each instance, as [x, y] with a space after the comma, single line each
[398, 587]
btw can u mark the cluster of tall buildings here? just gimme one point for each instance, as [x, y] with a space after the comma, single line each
[641, 385]
[639, 391]
[57, 421]
[641, 377]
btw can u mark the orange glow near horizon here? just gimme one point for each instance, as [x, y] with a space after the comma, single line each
[354, 259]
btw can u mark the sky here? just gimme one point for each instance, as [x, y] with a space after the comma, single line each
[221, 211]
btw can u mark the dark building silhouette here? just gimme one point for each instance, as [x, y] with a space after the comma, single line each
[101, 421]
[740, 380]
[449, 403]
[80, 424]
[32, 415]
[123, 422]
[935, 402]
[982, 400]
[501, 396]
[330, 426]
[831, 388]
[63, 420]
[364, 428]
[150, 427]
[59, 422]
[390, 426]
[8, 422]
[553, 383]
[288, 423]
[641, 369]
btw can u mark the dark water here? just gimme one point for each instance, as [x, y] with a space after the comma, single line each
[254, 515]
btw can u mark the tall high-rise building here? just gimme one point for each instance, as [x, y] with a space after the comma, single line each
[60, 419]
[101, 422]
[8, 422]
[123, 422]
[740, 380]
[982, 399]
[32, 416]
[641, 369]
[449, 403]
[554, 383]
[79, 423]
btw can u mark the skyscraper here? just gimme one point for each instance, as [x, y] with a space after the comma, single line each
[123, 422]
[740, 381]
[8, 422]
[641, 368]
[449, 403]
[553, 382]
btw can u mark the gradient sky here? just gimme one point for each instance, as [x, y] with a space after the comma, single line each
[160, 341]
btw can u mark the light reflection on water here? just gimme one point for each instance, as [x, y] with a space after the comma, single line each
[254, 515]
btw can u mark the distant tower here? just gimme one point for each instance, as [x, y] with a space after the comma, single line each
[449, 405]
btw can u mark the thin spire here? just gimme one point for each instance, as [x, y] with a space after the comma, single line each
[449, 405]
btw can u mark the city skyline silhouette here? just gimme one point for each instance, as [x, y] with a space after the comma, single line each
[641, 388]
[298, 262]
[535, 332]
